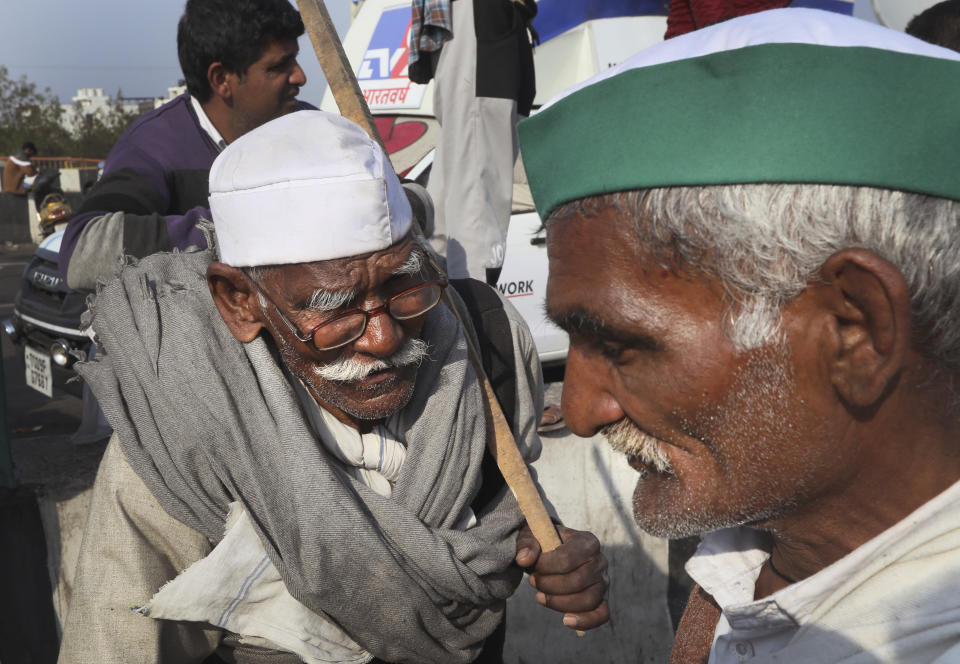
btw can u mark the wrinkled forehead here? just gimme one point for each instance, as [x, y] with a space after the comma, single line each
[384, 260]
[354, 273]
[590, 256]
[597, 260]
[666, 227]
[611, 227]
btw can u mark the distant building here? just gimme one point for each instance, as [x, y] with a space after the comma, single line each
[172, 91]
[89, 101]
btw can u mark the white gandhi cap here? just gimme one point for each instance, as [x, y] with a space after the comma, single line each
[306, 187]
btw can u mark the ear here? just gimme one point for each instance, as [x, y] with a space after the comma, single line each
[221, 81]
[236, 301]
[871, 319]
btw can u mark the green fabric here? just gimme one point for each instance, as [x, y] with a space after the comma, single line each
[768, 113]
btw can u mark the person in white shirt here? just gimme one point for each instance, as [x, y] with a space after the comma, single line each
[754, 243]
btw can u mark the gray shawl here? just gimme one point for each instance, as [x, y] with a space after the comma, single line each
[205, 420]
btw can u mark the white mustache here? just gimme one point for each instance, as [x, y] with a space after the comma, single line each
[626, 437]
[349, 369]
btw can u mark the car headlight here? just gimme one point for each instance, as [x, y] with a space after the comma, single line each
[11, 328]
[60, 352]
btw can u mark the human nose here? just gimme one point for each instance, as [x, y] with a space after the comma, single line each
[587, 402]
[383, 335]
[297, 76]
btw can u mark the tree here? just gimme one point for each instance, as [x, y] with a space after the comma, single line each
[93, 134]
[28, 114]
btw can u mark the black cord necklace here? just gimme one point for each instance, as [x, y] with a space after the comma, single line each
[774, 569]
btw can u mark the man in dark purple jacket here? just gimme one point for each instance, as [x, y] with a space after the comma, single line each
[239, 59]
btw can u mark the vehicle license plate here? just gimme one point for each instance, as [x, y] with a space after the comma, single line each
[39, 376]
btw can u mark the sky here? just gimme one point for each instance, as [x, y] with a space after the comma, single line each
[131, 45]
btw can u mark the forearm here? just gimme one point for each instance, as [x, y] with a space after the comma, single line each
[131, 211]
[95, 243]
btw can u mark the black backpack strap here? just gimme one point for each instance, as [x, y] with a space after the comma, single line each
[492, 326]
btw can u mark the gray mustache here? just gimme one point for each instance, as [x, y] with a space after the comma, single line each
[626, 437]
[349, 369]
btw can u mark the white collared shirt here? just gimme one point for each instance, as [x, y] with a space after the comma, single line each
[207, 125]
[727, 564]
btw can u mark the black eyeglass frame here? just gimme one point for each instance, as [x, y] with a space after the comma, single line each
[368, 314]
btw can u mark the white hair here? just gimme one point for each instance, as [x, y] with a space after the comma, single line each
[324, 300]
[767, 242]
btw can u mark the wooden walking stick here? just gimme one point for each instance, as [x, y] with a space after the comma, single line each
[346, 91]
[336, 68]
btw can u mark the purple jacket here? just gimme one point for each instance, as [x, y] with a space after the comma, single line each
[151, 195]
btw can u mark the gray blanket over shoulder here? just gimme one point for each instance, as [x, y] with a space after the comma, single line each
[205, 420]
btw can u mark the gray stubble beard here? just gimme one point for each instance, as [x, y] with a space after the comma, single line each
[759, 390]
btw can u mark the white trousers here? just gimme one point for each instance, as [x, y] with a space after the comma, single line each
[471, 181]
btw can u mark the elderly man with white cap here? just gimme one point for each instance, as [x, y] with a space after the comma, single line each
[754, 243]
[298, 458]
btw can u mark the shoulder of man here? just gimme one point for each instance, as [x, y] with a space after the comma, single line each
[168, 137]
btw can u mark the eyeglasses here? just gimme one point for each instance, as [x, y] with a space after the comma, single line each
[350, 325]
